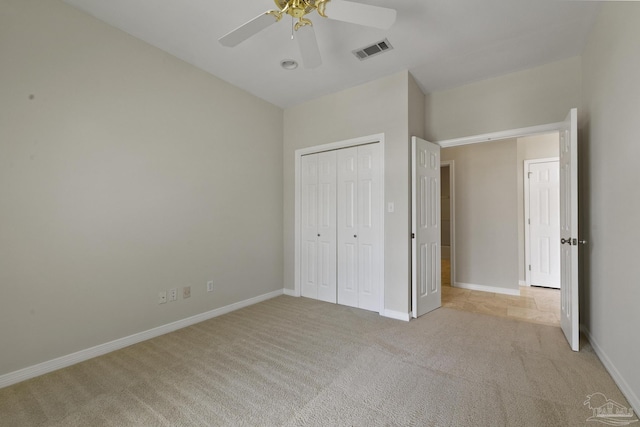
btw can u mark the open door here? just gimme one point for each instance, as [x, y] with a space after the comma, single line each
[569, 320]
[425, 227]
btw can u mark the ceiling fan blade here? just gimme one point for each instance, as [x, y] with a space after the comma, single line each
[362, 14]
[308, 45]
[248, 29]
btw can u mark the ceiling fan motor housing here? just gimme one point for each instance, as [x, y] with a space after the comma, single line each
[299, 8]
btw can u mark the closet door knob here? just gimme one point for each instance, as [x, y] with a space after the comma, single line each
[355, 235]
[318, 234]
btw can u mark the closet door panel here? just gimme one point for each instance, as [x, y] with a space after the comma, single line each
[347, 161]
[326, 231]
[368, 225]
[309, 246]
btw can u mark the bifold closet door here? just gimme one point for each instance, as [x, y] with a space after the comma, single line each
[319, 226]
[359, 221]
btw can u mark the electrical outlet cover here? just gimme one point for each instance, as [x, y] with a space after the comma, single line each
[173, 294]
[186, 292]
[210, 286]
[162, 297]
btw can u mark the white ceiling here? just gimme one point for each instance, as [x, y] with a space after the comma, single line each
[443, 43]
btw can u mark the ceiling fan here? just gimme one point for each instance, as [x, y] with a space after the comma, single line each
[340, 10]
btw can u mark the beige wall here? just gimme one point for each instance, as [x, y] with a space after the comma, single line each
[531, 97]
[530, 148]
[610, 180]
[127, 173]
[416, 108]
[486, 222]
[377, 107]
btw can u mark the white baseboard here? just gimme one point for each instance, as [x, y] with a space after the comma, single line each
[290, 292]
[99, 350]
[624, 387]
[398, 315]
[485, 288]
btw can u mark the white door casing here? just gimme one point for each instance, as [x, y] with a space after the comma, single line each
[543, 179]
[359, 218]
[319, 226]
[569, 319]
[426, 280]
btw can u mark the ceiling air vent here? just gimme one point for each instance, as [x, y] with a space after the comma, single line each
[373, 50]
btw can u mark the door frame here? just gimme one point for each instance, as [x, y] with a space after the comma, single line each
[505, 134]
[354, 142]
[527, 213]
[452, 214]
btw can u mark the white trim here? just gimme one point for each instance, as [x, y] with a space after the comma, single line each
[624, 387]
[290, 292]
[527, 213]
[485, 288]
[371, 139]
[452, 216]
[506, 134]
[383, 212]
[522, 283]
[544, 160]
[89, 353]
[398, 315]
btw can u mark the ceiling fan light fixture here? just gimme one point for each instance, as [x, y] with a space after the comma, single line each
[342, 10]
[288, 64]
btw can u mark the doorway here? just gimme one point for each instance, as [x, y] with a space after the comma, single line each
[568, 153]
[491, 195]
[447, 221]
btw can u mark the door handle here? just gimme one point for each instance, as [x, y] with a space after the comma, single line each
[573, 242]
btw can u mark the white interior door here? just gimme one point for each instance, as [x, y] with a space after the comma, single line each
[327, 226]
[369, 220]
[569, 230]
[426, 278]
[309, 226]
[544, 223]
[319, 226]
[359, 226]
[348, 227]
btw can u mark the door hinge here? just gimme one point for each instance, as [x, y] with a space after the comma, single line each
[529, 175]
[529, 267]
[529, 221]
[413, 235]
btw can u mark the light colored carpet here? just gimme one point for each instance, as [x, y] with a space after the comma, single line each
[297, 362]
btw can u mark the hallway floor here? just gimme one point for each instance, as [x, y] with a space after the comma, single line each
[537, 305]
